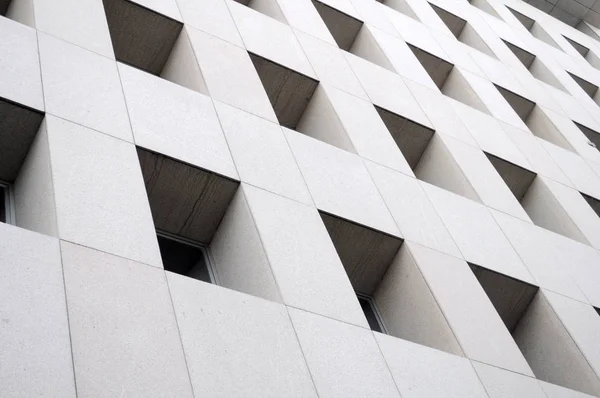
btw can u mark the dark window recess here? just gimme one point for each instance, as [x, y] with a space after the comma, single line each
[185, 259]
[368, 307]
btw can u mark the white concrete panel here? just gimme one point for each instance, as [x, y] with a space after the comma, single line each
[441, 114]
[210, 16]
[424, 372]
[270, 39]
[413, 212]
[476, 233]
[329, 64]
[387, 90]
[35, 208]
[474, 320]
[484, 179]
[302, 15]
[20, 65]
[238, 257]
[83, 87]
[175, 121]
[500, 383]
[541, 253]
[303, 259]
[237, 345]
[81, 22]
[365, 128]
[109, 296]
[261, 154]
[583, 324]
[344, 360]
[230, 75]
[35, 349]
[340, 184]
[554, 391]
[100, 195]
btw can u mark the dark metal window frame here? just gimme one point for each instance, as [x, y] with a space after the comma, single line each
[208, 259]
[369, 300]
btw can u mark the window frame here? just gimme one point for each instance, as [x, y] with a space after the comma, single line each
[9, 202]
[375, 309]
[205, 249]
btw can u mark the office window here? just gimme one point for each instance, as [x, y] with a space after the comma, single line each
[185, 258]
[6, 204]
[371, 313]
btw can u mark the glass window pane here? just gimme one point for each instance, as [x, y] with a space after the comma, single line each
[184, 259]
[367, 308]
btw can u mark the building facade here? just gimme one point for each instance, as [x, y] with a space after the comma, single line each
[298, 198]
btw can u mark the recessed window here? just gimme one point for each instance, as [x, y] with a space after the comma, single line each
[5, 204]
[185, 258]
[534, 28]
[448, 79]
[152, 42]
[535, 66]
[535, 118]
[289, 91]
[592, 136]
[593, 202]
[463, 31]
[352, 35]
[536, 329]
[537, 199]
[585, 52]
[371, 313]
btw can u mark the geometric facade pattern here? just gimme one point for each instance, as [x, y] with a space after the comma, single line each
[298, 198]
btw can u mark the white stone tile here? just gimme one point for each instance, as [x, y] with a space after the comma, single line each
[413, 212]
[330, 65]
[485, 180]
[489, 135]
[210, 16]
[20, 65]
[101, 200]
[441, 114]
[387, 90]
[35, 208]
[230, 75]
[366, 130]
[577, 170]
[476, 233]
[83, 87]
[539, 159]
[121, 317]
[304, 262]
[340, 184]
[583, 324]
[500, 383]
[425, 372]
[81, 22]
[344, 360]
[555, 391]
[261, 153]
[302, 15]
[175, 121]
[472, 317]
[237, 345]
[541, 252]
[34, 337]
[270, 39]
